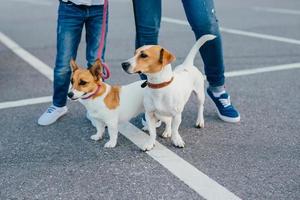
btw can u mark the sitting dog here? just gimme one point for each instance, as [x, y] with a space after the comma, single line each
[106, 105]
[167, 92]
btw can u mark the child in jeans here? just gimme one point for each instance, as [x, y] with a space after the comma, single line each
[72, 16]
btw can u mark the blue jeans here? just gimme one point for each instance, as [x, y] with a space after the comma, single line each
[71, 19]
[201, 17]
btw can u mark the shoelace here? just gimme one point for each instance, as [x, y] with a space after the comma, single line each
[51, 109]
[225, 102]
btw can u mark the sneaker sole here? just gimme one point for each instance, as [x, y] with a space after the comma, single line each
[222, 117]
[229, 119]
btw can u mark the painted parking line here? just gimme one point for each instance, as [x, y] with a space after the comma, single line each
[194, 178]
[237, 73]
[27, 57]
[277, 10]
[247, 72]
[239, 32]
[34, 2]
[25, 102]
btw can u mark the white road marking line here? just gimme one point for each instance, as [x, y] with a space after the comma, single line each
[237, 73]
[191, 176]
[240, 32]
[198, 181]
[27, 57]
[35, 2]
[247, 72]
[194, 178]
[25, 102]
[278, 10]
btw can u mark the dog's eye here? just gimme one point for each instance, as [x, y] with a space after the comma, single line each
[143, 55]
[82, 82]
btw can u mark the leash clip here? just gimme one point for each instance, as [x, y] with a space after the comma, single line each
[144, 84]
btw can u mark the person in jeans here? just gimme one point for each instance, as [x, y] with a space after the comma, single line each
[72, 16]
[201, 17]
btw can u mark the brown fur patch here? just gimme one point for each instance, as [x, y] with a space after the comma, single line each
[112, 99]
[85, 81]
[157, 58]
[84, 75]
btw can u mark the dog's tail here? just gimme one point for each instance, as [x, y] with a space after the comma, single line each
[189, 60]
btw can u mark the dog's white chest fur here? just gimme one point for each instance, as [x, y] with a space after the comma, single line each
[171, 99]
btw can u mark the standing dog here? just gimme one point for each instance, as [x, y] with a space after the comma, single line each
[168, 91]
[106, 105]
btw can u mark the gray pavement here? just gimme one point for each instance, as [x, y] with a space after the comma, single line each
[258, 158]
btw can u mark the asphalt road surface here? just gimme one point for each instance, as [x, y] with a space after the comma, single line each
[258, 158]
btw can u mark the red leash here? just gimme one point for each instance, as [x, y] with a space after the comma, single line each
[106, 70]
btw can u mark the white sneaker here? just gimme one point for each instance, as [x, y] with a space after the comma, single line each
[52, 114]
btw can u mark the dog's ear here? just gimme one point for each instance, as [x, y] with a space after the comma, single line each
[166, 57]
[97, 69]
[73, 65]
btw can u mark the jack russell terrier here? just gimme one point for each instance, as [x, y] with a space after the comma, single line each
[106, 105]
[168, 91]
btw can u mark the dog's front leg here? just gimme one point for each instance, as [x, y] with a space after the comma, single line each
[113, 134]
[151, 120]
[100, 126]
[176, 138]
[168, 130]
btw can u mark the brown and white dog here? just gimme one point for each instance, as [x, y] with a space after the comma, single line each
[168, 91]
[106, 105]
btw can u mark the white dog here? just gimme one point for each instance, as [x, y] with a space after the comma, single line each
[167, 92]
[106, 105]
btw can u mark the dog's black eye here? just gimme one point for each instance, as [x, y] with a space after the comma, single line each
[82, 82]
[143, 55]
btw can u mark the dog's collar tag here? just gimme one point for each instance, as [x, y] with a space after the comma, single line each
[144, 84]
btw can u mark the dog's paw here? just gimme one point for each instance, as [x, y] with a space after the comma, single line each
[148, 146]
[96, 137]
[178, 142]
[200, 125]
[110, 144]
[145, 128]
[166, 134]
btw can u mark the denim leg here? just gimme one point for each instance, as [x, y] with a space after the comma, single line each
[93, 27]
[69, 27]
[147, 15]
[202, 18]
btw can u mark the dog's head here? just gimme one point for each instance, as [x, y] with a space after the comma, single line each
[85, 81]
[148, 59]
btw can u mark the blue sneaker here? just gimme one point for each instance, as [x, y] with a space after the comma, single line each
[225, 109]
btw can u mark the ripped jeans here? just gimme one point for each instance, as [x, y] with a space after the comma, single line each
[71, 20]
[202, 19]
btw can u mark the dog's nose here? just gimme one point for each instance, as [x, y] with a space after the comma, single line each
[70, 94]
[125, 66]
